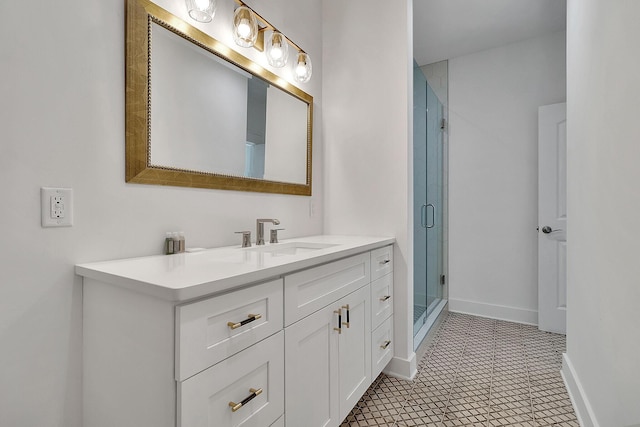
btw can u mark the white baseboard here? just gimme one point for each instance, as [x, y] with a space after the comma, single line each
[404, 369]
[581, 404]
[494, 311]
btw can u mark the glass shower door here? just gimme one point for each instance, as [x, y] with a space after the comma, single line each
[419, 198]
[428, 202]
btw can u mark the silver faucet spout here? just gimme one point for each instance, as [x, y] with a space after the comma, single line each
[260, 228]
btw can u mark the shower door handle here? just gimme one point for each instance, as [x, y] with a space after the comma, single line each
[423, 219]
[433, 215]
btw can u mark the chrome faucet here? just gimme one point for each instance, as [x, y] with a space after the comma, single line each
[260, 229]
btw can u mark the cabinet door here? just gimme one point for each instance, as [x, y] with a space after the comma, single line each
[354, 349]
[311, 370]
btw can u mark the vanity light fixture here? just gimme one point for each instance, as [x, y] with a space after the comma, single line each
[277, 49]
[249, 30]
[201, 10]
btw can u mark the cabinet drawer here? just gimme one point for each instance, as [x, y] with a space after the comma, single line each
[381, 262]
[310, 290]
[204, 399]
[381, 352]
[204, 335]
[381, 300]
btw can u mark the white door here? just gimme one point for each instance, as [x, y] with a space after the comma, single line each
[354, 351]
[552, 218]
[311, 370]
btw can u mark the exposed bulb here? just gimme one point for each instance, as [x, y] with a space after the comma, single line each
[245, 27]
[201, 10]
[302, 68]
[202, 4]
[277, 50]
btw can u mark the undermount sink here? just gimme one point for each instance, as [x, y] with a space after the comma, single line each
[290, 248]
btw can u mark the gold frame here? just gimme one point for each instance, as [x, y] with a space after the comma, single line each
[140, 14]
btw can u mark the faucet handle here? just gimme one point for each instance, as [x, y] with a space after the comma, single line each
[274, 235]
[246, 238]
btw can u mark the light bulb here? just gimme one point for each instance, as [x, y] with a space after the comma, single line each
[302, 68]
[202, 4]
[277, 50]
[201, 10]
[245, 27]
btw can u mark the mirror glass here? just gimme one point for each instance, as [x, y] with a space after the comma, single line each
[213, 118]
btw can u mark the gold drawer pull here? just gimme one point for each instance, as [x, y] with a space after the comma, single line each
[346, 307]
[339, 313]
[254, 392]
[385, 345]
[384, 298]
[251, 318]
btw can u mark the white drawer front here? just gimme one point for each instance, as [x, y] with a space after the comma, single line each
[203, 400]
[204, 336]
[381, 262]
[310, 290]
[381, 352]
[381, 300]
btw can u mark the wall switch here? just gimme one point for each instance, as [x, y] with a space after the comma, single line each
[56, 205]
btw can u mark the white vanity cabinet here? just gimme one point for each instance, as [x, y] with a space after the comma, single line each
[330, 358]
[293, 343]
[155, 363]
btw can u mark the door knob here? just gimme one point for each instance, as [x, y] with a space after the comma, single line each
[546, 229]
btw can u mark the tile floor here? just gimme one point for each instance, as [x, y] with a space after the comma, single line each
[475, 372]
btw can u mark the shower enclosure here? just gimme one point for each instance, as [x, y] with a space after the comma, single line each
[429, 203]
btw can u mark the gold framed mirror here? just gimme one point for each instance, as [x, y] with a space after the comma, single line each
[199, 114]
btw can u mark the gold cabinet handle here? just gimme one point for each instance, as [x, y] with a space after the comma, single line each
[254, 392]
[250, 319]
[346, 307]
[384, 298]
[385, 345]
[339, 313]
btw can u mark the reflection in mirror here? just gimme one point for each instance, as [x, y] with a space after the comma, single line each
[210, 122]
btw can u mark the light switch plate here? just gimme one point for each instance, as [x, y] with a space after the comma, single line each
[56, 205]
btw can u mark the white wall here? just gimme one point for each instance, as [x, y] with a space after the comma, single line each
[603, 131]
[367, 123]
[437, 74]
[62, 124]
[493, 114]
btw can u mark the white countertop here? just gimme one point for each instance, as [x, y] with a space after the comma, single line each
[186, 276]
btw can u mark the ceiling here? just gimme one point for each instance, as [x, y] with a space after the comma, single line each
[444, 29]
